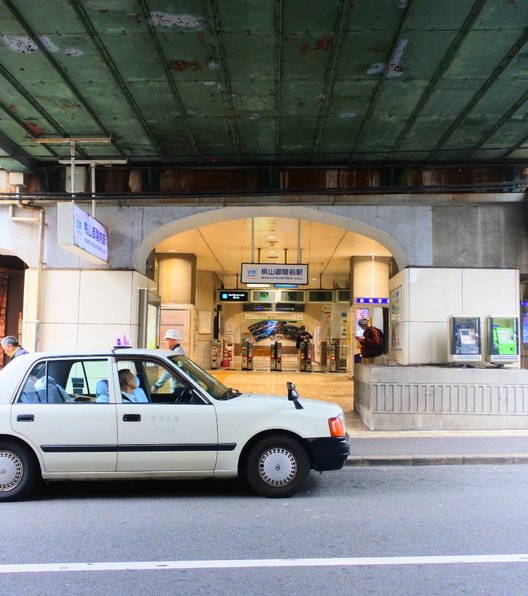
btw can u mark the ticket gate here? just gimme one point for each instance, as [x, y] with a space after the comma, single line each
[305, 357]
[227, 354]
[246, 353]
[215, 354]
[333, 356]
[276, 355]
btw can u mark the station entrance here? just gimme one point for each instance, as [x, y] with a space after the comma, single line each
[229, 323]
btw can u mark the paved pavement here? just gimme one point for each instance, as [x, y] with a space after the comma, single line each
[418, 448]
[370, 448]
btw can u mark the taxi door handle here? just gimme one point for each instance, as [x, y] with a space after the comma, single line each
[131, 417]
[25, 418]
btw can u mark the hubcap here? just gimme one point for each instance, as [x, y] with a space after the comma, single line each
[277, 466]
[11, 471]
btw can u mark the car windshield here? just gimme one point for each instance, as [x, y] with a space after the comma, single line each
[203, 378]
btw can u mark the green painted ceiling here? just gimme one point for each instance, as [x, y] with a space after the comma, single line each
[212, 82]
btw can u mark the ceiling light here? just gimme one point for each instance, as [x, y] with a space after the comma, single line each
[258, 285]
[66, 140]
[96, 162]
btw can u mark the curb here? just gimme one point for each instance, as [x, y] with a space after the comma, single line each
[436, 460]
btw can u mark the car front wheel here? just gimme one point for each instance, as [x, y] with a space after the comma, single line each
[18, 471]
[277, 466]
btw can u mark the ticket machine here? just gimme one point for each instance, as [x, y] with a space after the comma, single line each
[502, 346]
[464, 339]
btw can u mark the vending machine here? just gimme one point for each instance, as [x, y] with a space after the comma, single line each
[502, 346]
[464, 343]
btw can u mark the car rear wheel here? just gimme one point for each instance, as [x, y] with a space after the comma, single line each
[277, 466]
[18, 471]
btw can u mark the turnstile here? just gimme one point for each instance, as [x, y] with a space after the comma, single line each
[276, 355]
[246, 353]
[305, 357]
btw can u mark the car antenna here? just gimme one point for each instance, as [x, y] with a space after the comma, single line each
[293, 395]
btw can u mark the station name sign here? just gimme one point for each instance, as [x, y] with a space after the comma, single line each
[81, 234]
[233, 296]
[372, 300]
[274, 273]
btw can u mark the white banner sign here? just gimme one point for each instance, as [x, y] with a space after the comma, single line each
[81, 234]
[274, 273]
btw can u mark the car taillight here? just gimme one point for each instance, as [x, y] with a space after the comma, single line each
[337, 428]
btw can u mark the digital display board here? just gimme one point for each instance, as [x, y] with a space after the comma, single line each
[250, 307]
[321, 296]
[263, 295]
[289, 307]
[291, 296]
[233, 296]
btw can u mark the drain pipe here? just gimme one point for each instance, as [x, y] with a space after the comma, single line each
[41, 219]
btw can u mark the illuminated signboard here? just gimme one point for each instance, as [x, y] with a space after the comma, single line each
[274, 273]
[233, 296]
[250, 307]
[289, 307]
[372, 300]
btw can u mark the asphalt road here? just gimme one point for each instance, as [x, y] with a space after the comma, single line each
[384, 530]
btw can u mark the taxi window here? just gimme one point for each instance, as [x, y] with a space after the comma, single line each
[156, 383]
[66, 381]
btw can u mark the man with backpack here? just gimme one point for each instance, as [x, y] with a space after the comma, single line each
[371, 343]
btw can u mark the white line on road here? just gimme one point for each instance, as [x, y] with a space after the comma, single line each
[252, 563]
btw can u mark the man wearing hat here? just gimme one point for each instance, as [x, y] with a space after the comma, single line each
[370, 343]
[172, 339]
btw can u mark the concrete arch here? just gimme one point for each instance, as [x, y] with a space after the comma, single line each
[327, 215]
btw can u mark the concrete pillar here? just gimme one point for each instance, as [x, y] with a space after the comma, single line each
[177, 278]
[369, 277]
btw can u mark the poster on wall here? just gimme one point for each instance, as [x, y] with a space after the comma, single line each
[395, 319]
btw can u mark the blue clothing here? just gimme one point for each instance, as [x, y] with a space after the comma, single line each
[138, 395]
[166, 375]
[19, 352]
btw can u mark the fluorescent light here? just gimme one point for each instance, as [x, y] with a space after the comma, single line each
[67, 140]
[258, 285]
[97, 162]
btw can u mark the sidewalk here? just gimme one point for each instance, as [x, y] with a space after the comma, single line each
[420, 448]
[376, 448]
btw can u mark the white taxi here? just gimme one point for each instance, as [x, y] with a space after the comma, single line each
[130, 413]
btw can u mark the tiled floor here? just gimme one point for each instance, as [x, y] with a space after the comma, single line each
[333, 387]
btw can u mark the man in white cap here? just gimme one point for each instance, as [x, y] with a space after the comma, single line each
[172, 339]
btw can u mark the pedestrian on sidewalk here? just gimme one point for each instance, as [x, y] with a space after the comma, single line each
[11, 347]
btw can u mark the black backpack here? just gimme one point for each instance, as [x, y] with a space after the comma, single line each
[381, 347]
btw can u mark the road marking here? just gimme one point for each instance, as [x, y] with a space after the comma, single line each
[252, 563]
